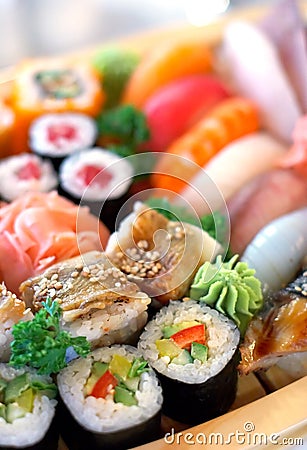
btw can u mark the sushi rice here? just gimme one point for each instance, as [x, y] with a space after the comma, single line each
[117, 323]
[104, 415]
[222, 341]
[31, 428]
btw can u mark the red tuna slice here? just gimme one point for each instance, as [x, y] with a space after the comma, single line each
[179, 105]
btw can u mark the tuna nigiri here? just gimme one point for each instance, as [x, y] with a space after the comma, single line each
[267, 197]
[233, 167]
[41, 229]
[255, 70]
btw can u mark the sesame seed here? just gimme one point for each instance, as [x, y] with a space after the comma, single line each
[117, 284]
[74, 274]
[58, 285]
[55, 276]
[93, 279]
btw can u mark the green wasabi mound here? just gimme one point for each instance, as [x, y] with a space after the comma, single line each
[231, 288]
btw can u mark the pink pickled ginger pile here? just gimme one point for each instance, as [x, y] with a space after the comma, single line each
[41, 229]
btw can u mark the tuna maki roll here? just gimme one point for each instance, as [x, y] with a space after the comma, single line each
[99, 179]
[25, 173]
[112, 400]
[55, 136]
[27, 410]
[193, 349]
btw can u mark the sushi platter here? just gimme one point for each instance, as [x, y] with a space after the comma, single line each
[153, 244]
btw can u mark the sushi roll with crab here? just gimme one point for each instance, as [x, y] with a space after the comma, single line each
[99, 179]
[193, 349]
[55, 136]
[25, 173]
[112, 400]
[27, 410]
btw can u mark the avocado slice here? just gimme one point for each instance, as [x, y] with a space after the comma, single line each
[183, 358]
[122, 395]
[14, 411]
[15, 387]
[132, 383]
[98, 369]
[48, 389]
[199, 351]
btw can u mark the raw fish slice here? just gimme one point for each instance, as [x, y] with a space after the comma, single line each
[255, 70]
[296, 158]
[280, 332]
[159, 255]
[288, 34]
[237, 164]
[265, 198]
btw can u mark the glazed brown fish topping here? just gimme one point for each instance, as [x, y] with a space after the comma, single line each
[80, 285]
[282, 331]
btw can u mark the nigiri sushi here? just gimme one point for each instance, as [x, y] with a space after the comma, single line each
[235, 165]
[280, 330]
[96, 298]
[265, 198]
[161, 256]
[255, 71]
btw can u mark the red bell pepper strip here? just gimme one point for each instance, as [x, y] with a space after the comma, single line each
[104, 385]
[185, 337]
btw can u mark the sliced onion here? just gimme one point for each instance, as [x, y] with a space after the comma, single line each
[277, 251]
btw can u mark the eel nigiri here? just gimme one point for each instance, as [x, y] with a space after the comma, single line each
[233, 167]
[255, 70]
[161, 256]
[280, 331]
[262, 200]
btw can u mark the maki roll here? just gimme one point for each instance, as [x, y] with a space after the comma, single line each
[112, 400]
[25, 173]
[55, 136]
[96, 299]
[27, 410]
[193, 349]
[12, 310]
[52, 86]
[99, 179]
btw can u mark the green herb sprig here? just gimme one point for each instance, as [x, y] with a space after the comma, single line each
[40, 343]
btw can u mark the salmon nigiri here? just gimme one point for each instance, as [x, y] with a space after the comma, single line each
[229, 120]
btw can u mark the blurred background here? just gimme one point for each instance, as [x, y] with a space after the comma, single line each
[50, 27]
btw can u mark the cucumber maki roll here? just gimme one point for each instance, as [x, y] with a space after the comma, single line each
[25, 173]
[55, 136]
[27, 410]
[112, 400]
[193, 349]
